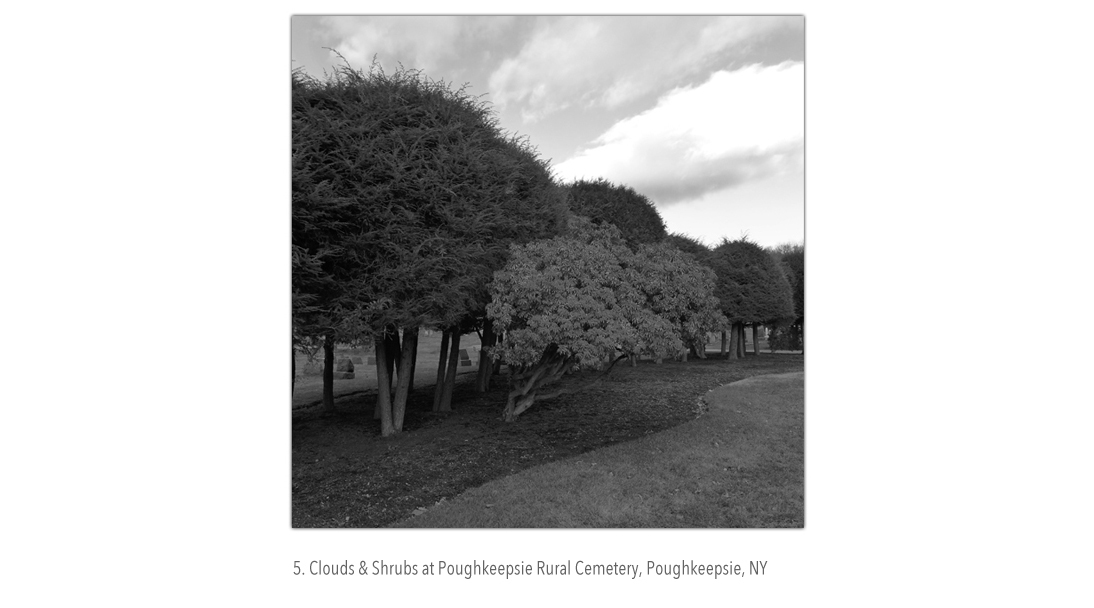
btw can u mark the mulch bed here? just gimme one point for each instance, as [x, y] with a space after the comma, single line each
[345, 475]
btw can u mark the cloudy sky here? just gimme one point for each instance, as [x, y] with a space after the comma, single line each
[704, 115]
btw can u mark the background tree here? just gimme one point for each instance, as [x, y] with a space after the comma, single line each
[751, 287]
[702, 254]
[681, 290]
[691, 246]
[791, 257]
[633, 214]
[429, 193]
[569, 303]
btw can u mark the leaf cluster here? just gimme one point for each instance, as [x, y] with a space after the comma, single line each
[577, 295]
[680, 289]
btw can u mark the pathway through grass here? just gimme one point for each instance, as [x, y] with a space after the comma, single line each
[739, 465]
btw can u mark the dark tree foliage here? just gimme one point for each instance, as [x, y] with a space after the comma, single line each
[702, 254]
[604, 202]
[406, 197]
[679, 289]
[421, 192]
[690, 245]
[791, 257]
[751, 286]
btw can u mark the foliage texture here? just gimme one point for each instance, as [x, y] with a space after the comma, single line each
[604, 202]
[407, 194]
[574, 301]
[751, 286]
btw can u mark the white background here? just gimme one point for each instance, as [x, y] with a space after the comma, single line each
[146, 436]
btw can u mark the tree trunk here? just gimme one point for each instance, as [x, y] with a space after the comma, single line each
[328, 374]
[383, 387]
[293, 389]
[450, 374]
[394, 351]
[486, 366]
[756, 339]
[528, 383]
[497, 362]
[699, 349]
[398, 409]
[724, 351]
[439, 388]
[413, 363]
[733, 336]
[741, 341]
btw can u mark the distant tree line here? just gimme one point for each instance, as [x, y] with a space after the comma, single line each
[412, 208]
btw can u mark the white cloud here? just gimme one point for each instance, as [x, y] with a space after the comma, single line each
[609, 61]
[737, 126]
[419, 42]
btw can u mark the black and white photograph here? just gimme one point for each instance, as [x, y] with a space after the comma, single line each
[548, 271]
[542, 270]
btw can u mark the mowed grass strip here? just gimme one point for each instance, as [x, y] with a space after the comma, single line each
[740, 465]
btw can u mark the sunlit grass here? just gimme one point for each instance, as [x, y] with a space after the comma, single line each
[739, 465]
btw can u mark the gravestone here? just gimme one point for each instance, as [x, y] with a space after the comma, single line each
[344, 370]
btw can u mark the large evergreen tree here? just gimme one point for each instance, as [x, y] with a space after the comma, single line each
[418, 194]
[751, 287]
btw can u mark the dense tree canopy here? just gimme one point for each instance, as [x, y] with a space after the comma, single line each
[406, 197]
[751, 286]
[574, 301]
[604, 202]
[418, 190]
[791, 257]
[679, 289]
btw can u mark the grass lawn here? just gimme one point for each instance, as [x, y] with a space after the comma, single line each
[345, 475]
[738, 465]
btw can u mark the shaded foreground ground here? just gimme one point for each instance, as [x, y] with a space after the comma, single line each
[345, 475]
[739, 465]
